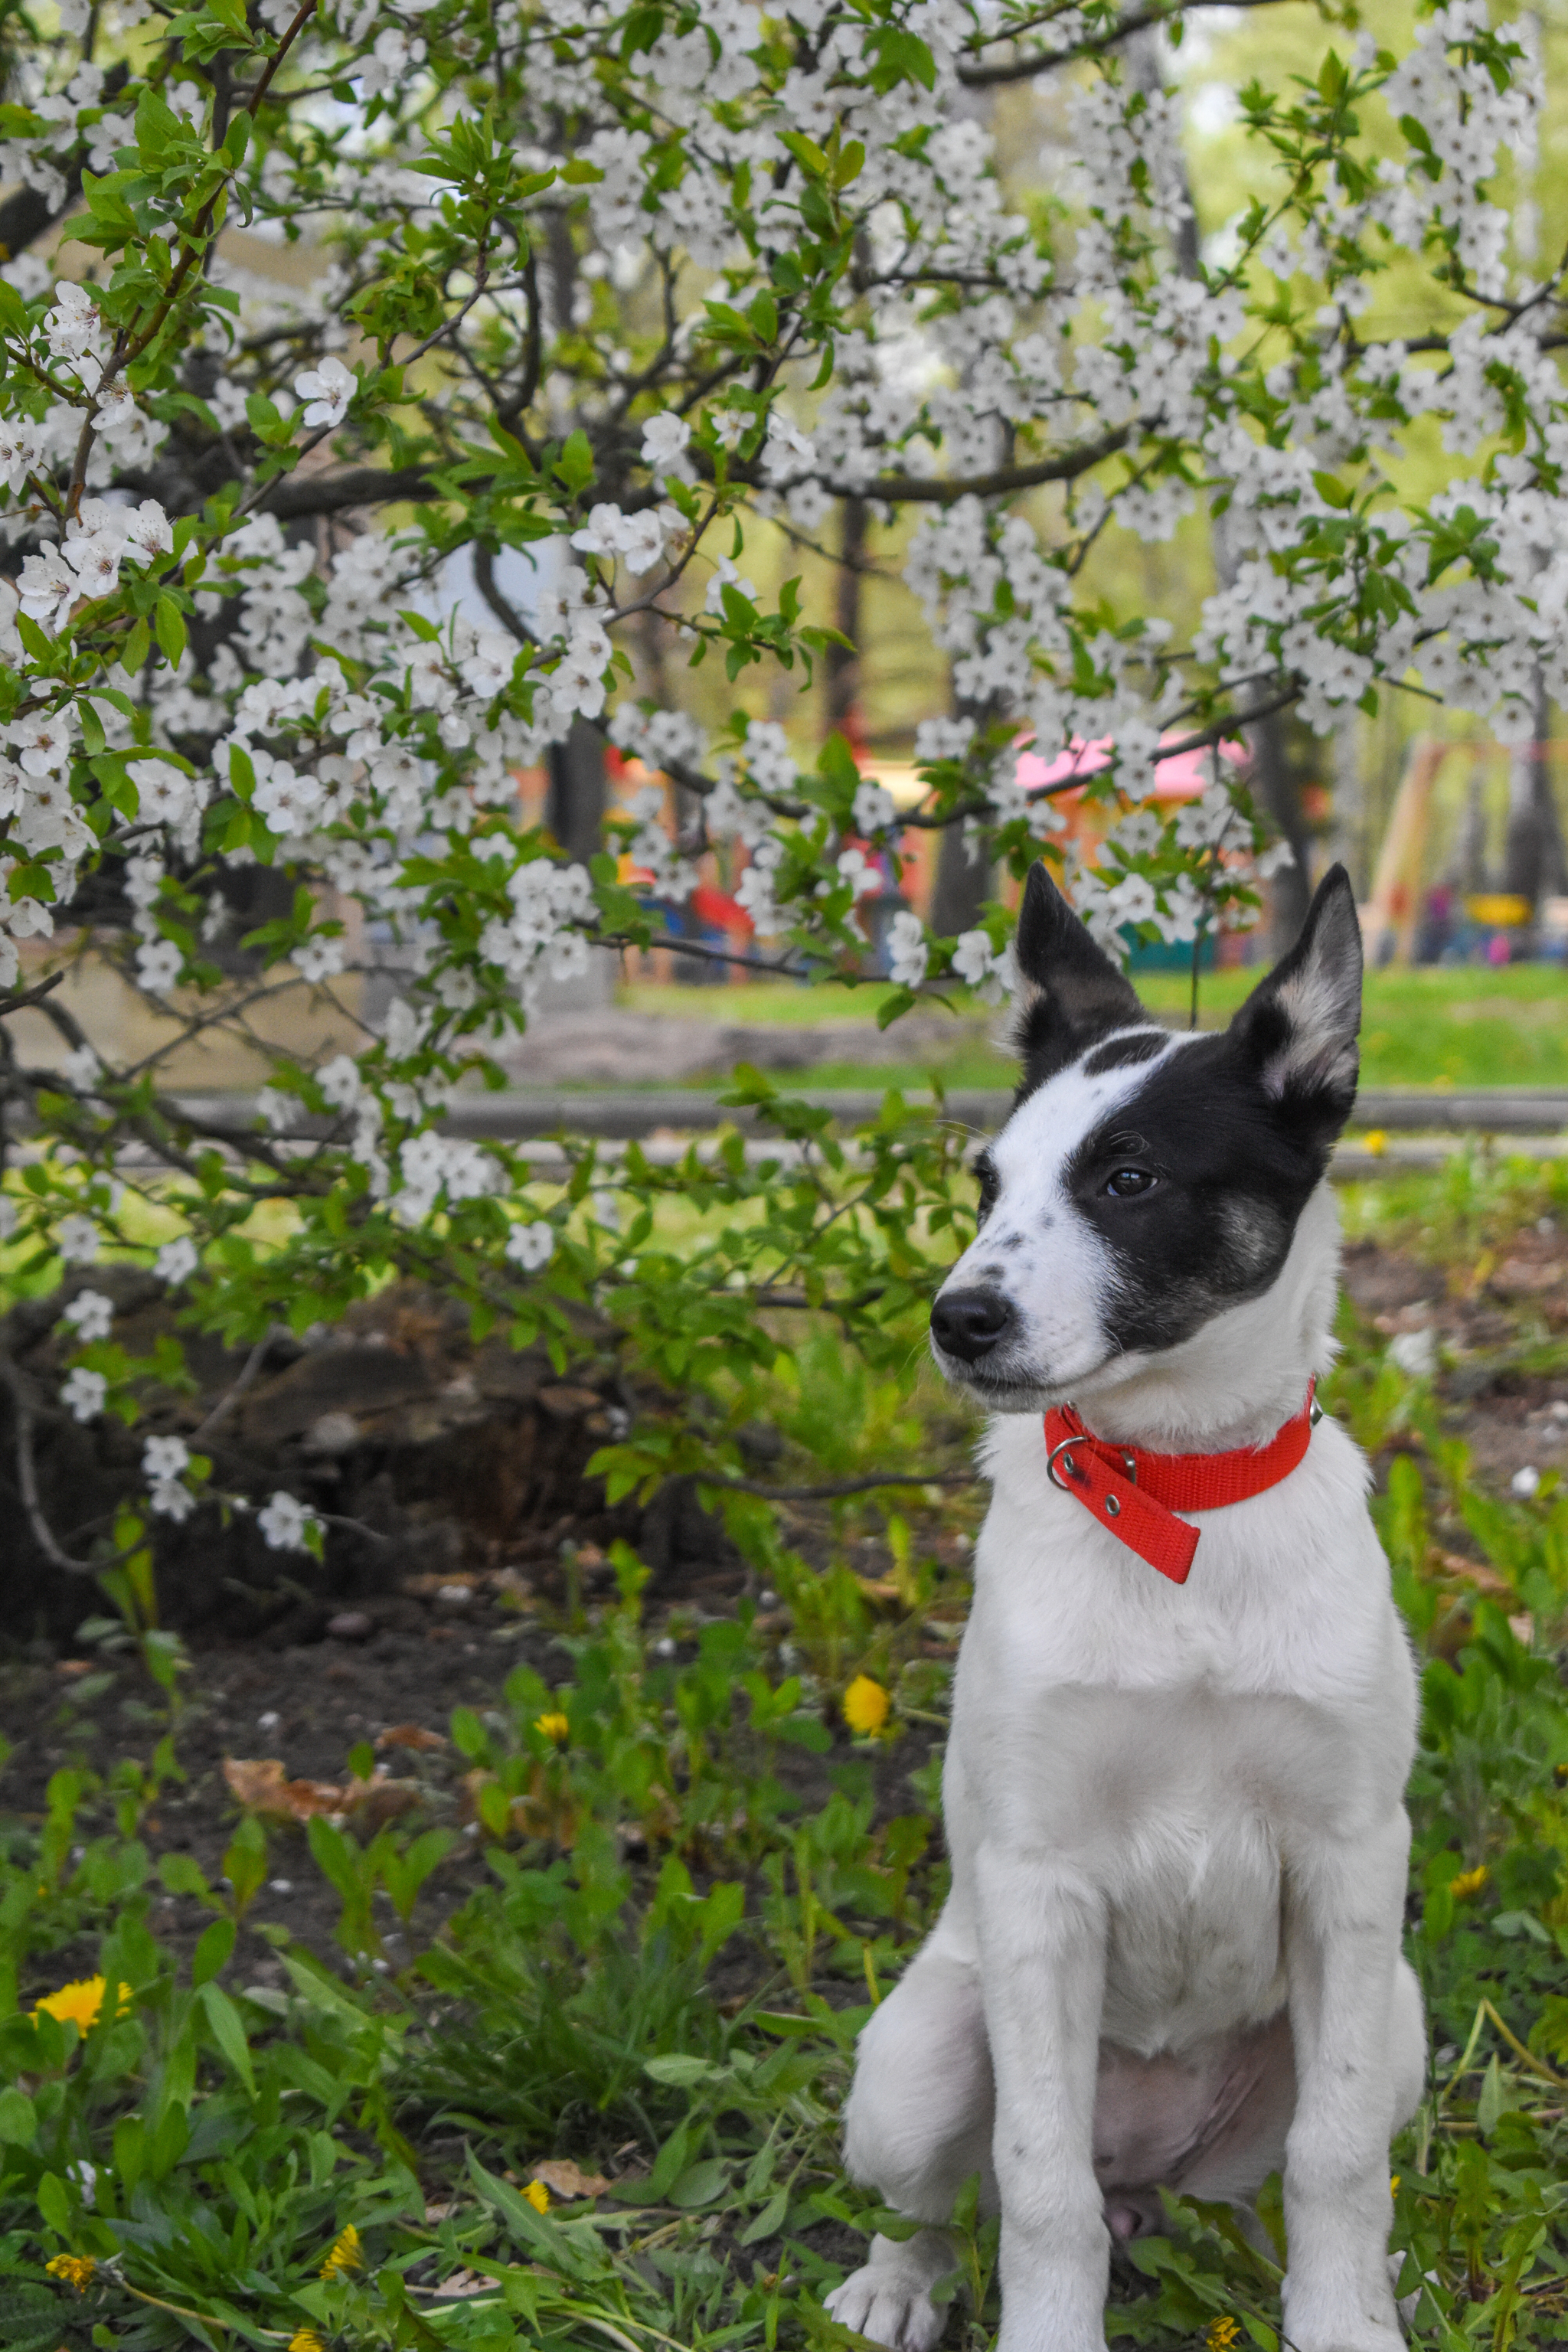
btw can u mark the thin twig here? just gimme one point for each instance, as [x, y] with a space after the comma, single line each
[19, 1003]
[28, 1479]
[231, 1396]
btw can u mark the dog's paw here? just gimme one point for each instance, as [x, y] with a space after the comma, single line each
[890, 2301]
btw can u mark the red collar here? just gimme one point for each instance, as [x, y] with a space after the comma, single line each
[1136, 1495]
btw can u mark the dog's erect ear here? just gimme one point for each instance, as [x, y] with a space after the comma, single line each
[1070, 992]
[1298, 1028]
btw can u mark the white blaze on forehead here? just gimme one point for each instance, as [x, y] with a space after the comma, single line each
[1036, 1248]
[1048, 1128]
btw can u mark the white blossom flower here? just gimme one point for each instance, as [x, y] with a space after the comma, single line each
[329, 390]
[339, 1080]
[164, 794]
[90, 1313]
[83, 1393]
[531, 1246]
[664, 440]
[158, 963]
[177, 1260]
[78, 1240]
[320, 957]
[286, 1523]
[908, 954]
[165, 1457]
[875, 808]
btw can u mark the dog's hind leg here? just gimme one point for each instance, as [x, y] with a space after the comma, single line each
[917, 2124]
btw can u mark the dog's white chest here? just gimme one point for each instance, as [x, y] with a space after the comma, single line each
[1171, 1746]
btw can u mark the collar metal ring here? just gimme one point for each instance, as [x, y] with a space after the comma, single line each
[1129, 1461]
[1060, 1447]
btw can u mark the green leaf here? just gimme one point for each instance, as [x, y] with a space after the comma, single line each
[699, 2184]
[682, 2071]
[54, 2204]
[170, 624]
[18, 2117]
[226, 2029]
[574, 467]
[181, 1872]
[769, 2222]
[212, 1953]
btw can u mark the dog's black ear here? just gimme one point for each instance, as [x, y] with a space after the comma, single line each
[1298, 1029]
[1069, 991]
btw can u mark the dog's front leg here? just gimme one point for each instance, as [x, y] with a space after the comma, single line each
[1042, 1942]
[1344, 1903]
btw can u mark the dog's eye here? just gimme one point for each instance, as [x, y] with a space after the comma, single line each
[1126, 1184]
[989, 1189]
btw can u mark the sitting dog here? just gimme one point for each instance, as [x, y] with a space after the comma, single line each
[1174, 1801]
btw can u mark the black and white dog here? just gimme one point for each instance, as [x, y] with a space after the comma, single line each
[1175, 1810]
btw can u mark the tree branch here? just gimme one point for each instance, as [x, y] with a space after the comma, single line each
[293, 498]
[1095, 44]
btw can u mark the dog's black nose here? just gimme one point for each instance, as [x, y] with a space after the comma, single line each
[968, 1323]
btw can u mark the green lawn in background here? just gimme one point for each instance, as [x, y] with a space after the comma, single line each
[1464, 1027]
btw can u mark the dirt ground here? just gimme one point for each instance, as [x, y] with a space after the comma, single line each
[380, 1653]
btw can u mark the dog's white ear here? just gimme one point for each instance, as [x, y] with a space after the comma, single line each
[1298, 1029]
[1069, 991]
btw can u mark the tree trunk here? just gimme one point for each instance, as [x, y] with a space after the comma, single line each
[575, 805]
[1533, 864]
[961, 886]
[1279, 789]
[842, 663]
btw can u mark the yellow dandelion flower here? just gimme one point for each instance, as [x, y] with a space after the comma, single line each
[537, 2196]
[1375, 1142]
[307, 2339]
[1393, 2184]
[1468, 1882]
[554, 1727]
[81, 2001]
[347, 2254]
[78, 2270]
[1221, 2334]
[866, 1705]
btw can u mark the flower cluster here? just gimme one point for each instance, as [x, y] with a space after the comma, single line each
[309, 579]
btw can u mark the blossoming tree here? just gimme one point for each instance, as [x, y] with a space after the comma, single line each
[301, 581]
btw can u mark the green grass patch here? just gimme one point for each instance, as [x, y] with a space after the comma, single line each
[1463, 1028]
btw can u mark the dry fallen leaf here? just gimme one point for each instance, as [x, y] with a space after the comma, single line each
[377, 1801]
[411, 1735]
[262, 1787]
[561, 2176]
[460, 2283]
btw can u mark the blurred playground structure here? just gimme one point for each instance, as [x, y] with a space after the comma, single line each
[1469, 868]
[1464, 910]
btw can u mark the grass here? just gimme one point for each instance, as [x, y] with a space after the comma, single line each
[1467, 1028]
[699, 1882]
